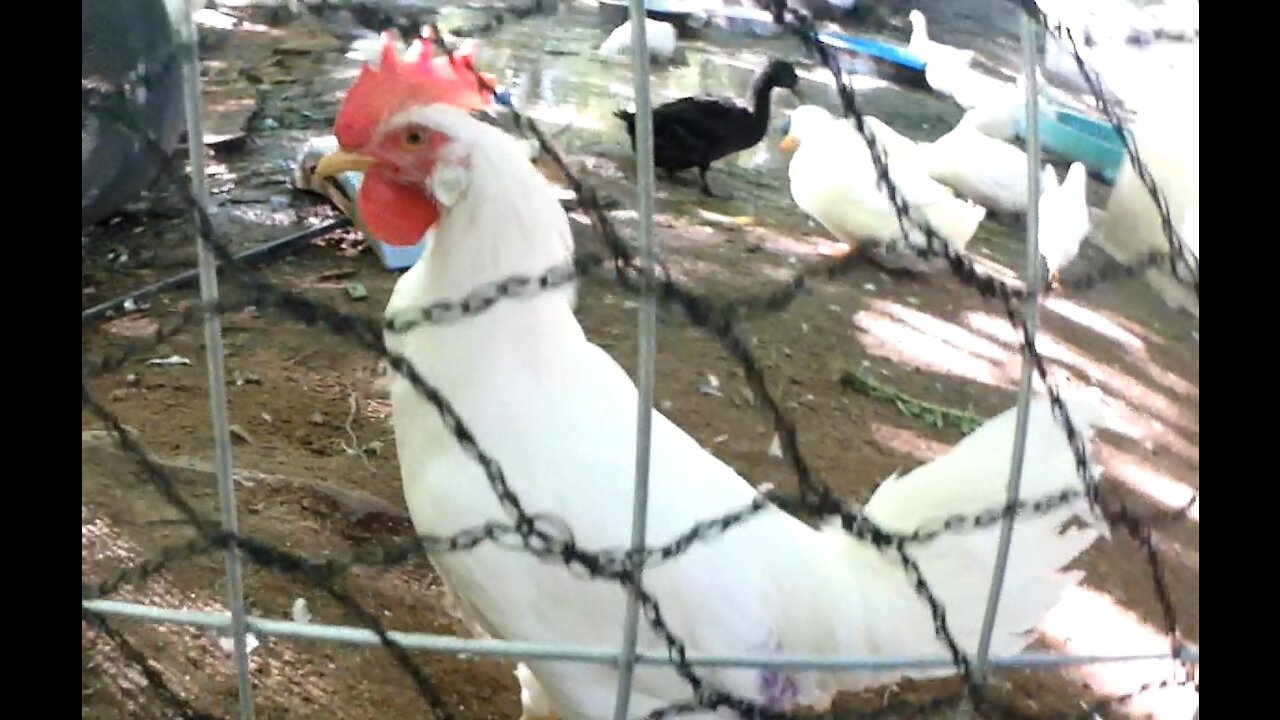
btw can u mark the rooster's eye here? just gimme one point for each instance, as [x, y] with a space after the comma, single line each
[414, 137]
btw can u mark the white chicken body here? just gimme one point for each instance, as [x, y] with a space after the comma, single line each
[557, 414]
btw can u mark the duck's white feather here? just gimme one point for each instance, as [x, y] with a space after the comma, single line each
[834, 181]
[929, 50]
[990, 172]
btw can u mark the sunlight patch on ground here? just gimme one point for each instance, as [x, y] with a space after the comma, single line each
[1121, 332]
[908, 442]
[1116, 383]
[1088, 622]
[912, 338]
[1096, 322]
[1148, 481]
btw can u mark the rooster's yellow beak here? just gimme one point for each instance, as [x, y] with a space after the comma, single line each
[341, 161]
[788, 144]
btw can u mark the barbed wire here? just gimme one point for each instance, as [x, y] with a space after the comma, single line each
[549, 537]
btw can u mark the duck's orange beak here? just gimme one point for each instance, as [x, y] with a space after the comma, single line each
[789, 144]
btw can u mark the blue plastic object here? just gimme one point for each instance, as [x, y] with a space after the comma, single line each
[396, 257]
[875, 58]
[895, 54]
[1078, 138]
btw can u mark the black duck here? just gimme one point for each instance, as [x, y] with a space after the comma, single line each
[694, 132]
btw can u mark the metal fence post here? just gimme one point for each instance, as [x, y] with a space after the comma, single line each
[1030, 37]
[186, 26]
[647, 344]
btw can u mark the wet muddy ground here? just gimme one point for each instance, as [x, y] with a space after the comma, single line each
[314, 448]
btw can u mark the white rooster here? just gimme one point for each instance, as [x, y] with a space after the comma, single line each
[557, 414]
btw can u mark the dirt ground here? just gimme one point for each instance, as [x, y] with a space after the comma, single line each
[314, 448]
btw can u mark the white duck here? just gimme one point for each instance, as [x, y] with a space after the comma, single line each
[1063, 70]
[990, 172]
[660, 37]
[969, 87]
[927, 50]
[997, 116]
[899, 148]
[834, 181]
[996, 120]
[1064, 217]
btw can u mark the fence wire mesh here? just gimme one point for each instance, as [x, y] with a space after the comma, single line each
[548, 537]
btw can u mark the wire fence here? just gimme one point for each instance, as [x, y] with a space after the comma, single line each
[547, 537]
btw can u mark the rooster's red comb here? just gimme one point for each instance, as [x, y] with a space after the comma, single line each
[394, 83]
